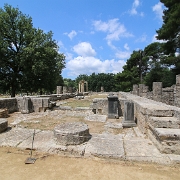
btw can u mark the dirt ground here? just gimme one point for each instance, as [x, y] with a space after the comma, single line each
[55, 167]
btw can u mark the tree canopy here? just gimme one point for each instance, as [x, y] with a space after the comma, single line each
[170, 30]
[30, 60]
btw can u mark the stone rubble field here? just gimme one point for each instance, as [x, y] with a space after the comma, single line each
[108, 138]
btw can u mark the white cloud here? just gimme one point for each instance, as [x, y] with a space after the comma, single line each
[133, 10]
[72, 34]
[88, 65]
[154, 39]
[123, 54]
[84, 49]
[69, 56]
[126, 47]
[158, 9]
[115, 30]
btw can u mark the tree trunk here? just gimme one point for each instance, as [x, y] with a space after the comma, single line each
[13, 91]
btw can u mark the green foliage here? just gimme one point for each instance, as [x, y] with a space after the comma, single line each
[29, 57]
[160, 74]
[170, 29]
[95, 81]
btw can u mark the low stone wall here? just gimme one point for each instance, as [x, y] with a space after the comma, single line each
[168, 95]
[28, 104]
[9, 103]
[100, 106]
[145, 108]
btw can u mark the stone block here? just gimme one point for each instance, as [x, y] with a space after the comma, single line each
[113, 104]
[37, 104]
[157, 91]
[71, 133]
[128, 120]
[3, 124]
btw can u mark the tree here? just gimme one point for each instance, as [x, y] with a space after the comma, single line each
[170, 30]
[29, 57]
[158, 71]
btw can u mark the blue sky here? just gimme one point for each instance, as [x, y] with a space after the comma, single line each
[95, 35]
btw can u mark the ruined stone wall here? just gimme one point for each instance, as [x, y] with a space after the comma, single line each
[29, 104]
[100, 106]
[168, 95]
[9, 103]
[145, 108]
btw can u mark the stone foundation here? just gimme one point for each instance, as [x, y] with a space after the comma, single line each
[71, 133]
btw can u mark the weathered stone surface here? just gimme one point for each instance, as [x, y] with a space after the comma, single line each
[3, 124]
[9, 103]
[72, 133]
[3, 113]
[43, 141]
[164, 122]
[135, 90]
[15, 136]
[157, 91]
[167, 134]
[166, 140]
[96, 118]
[105, 145]
[128, 120]
[59, 90]
[37, 104]
[138, 149]
[113, 104]
[100, 106]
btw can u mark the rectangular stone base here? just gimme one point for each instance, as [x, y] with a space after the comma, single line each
[129, 124]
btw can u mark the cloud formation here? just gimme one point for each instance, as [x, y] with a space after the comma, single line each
[158, 9]
[84, 49]
[114, 29]
[72, 34]
[133, 10]
[88, 65]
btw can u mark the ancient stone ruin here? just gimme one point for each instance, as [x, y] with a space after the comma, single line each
[141, 125]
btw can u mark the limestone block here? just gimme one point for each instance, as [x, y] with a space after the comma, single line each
[3, 113]
[3, 124]
[128, 120]
[37, 104]
[72, 133]
[157, 91]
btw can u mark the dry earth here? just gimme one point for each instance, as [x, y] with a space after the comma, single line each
[56, 167]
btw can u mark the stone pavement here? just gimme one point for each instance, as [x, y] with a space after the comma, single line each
[129, 145]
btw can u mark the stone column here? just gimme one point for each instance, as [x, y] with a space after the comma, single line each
[128, 120]
[157, 91]
[64, 89]
[145, 91]
[141, 89]
[79, 87]
[177, 90]
[102, 89]
[135, 89]
[70, 89]
[82, 87]
[59, 90]
[86, 86]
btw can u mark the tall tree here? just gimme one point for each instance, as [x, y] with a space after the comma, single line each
[29, 57]
[170, 30]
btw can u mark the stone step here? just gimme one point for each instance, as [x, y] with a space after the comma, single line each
[165, 122]
[167, 140]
